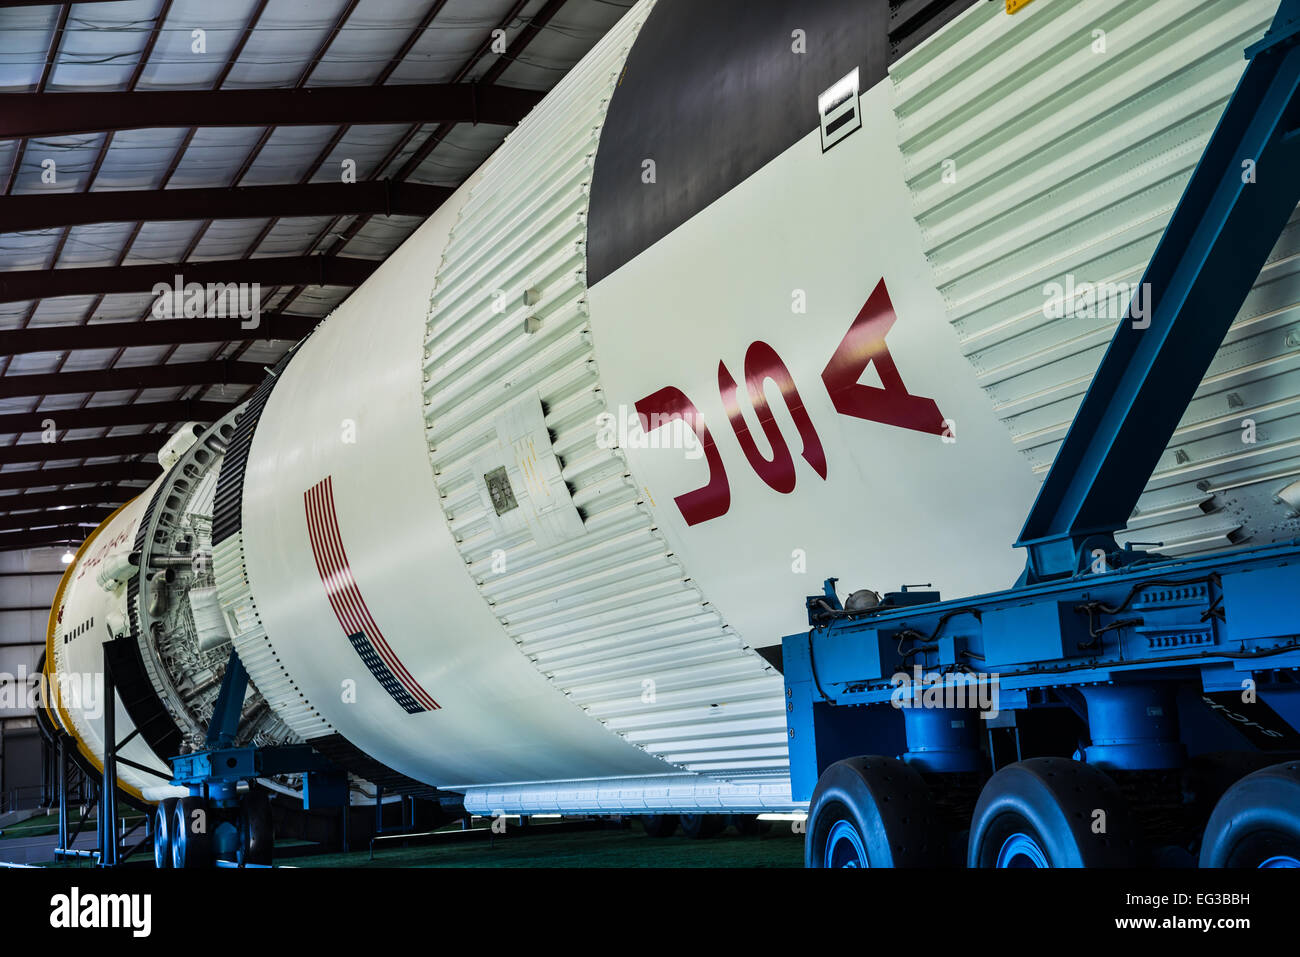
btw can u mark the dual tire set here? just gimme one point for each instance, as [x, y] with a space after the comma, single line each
[1038, 813]
[191, 832]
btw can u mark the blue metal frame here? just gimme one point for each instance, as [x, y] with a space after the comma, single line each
[229, 705]
[216, 771]
[1196, 620]
[1206, 262]
[1114, 645]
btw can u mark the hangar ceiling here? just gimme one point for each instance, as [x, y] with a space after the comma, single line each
[289, 143]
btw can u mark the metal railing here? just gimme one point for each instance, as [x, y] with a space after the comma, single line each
[21, 798]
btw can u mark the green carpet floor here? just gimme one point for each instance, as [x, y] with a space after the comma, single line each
[596, 848]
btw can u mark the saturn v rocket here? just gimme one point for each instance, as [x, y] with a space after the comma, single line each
[762, 293]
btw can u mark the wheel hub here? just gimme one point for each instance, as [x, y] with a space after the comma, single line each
[1021, 850]
[844, 847]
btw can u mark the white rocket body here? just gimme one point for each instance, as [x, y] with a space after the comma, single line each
[458, 551]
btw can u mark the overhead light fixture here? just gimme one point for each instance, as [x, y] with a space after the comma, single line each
[67, 557]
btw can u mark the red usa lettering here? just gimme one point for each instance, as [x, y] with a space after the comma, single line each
[863, 345]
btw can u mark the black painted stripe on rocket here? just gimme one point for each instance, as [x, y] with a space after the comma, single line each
[365, 650]
[713, 92]
[148, 713]
[228, 503]
[911, 22]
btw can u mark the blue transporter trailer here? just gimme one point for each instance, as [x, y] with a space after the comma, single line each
[1114, 707]
[218, 825]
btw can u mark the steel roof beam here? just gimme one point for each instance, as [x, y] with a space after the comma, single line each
[64, 534]
[60, 114]
[88, 515]
[379, 198]
[160, 332]
[109, 416]
[114, 445]
[111, 473]
[23, 284]
[46, 3]
[113, 495]
[173, 376]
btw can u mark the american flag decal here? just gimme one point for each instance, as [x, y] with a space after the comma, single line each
[350, 608]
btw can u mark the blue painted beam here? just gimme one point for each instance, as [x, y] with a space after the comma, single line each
[1218, 239]
[224, 724]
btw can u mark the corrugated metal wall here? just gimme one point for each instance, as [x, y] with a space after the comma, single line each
[28, 580]
[1051, 147]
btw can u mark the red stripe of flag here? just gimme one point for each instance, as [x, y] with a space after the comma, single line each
[346, 599]
[324, 561]
[341, 588]
[377, 636]
[351, 595]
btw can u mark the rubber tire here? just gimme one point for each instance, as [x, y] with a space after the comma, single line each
[256, 831]
[659, 825]
[1053, 800]
[191, 849]
[1257, 818]
[162, 833]
[886, 802]
[699, 827]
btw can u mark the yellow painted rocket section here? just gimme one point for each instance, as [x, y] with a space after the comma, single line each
[58, 716]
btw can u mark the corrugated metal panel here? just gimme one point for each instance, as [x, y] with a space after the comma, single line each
[1067, 133]
[265, 671]
[228, 503]
[597, 602]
